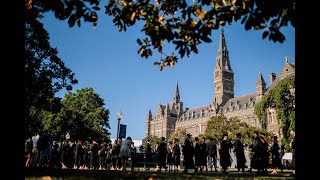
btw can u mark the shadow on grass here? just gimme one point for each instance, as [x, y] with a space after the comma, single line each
[71, 174]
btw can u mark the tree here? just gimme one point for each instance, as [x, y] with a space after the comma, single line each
[218, 125]
[180, 134]
[83, 115]
[44, 73]
[154, 140]
[185, 24]
[282, 99]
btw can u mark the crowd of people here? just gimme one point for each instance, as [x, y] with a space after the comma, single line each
[197, 154]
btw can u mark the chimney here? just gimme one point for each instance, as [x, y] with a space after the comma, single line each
[272, 77]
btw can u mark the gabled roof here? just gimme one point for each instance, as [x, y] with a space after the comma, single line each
[239, 102]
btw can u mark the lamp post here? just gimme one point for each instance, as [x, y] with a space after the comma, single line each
[119, 116]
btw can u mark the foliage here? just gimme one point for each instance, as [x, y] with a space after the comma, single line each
[44, 73]
[82, 115]
[282, 100]
[180, 134]
[154, 140]
[185, 24]
[218, 125]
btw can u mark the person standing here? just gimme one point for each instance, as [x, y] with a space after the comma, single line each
[176, 154]
[293, 148]
[239, 150]
[133, 152]
[162, 154]
[148, 154]
[188, 152]
[276, 161]
[224, 152]
[203, 153]
[257, 161]
[212, 154]
[125, 152]
[197, 154]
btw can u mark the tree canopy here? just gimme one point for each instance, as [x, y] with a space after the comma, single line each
[180, 134]
[154, 140]
[44, 73]
[218, 125]
[82, 115]
[184, 23]
[282, 99]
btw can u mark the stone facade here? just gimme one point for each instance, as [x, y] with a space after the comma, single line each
[172, 116]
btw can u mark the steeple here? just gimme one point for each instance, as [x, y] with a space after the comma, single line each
[176, 96]
[149, 116]
[167, 110]
[260, 85]
[260, 79]
[222, 45]
[223, 74]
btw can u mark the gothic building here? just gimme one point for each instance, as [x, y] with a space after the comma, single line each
[172, 116]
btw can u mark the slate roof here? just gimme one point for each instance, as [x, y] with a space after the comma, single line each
[240, 102]
[194, 113]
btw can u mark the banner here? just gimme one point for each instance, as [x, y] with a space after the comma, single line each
[123, 129]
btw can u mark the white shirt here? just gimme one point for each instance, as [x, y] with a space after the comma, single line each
[35, 140]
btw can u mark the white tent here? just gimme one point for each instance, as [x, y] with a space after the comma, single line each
[287, 156]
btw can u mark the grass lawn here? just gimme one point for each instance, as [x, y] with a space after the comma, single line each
[71, 174]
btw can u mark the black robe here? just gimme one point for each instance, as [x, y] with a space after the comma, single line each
[188, 152]
[239, 149]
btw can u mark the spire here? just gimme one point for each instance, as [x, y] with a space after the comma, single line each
[149, 115]
[260, 79]
[176, 96]
[167, 109]
[222, 46]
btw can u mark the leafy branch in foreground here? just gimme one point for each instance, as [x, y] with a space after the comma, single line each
[185, 24]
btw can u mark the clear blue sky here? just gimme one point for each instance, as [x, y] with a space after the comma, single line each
[107, 61]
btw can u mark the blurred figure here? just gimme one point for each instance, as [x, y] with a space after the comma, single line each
[239, 149]
[276, 161]
[212, 154]
[225, 159]
[176, 154]
[293, 148]
[188, 152]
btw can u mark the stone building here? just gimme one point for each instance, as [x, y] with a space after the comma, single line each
[172, 116]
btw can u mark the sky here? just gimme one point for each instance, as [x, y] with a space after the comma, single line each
[107, 60]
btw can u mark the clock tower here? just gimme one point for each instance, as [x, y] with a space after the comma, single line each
[223, 74]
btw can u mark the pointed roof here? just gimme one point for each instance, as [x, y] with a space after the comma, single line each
[222, 44]
[176, 96]
[167, 109]
[260, 79]
[150, 113]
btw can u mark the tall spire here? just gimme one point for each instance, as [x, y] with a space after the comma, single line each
[260, 79]
[222, 45]
[176, 96]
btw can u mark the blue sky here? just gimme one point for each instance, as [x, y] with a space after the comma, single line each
[107, 61]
